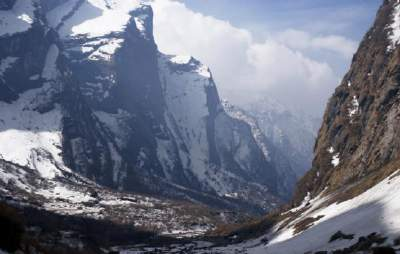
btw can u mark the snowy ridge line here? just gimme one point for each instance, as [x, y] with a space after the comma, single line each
[255, 128]
[101, 18]
[187, 89]
[394, 28]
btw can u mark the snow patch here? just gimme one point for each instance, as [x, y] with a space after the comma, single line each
[304, 203]
[165, 153]
[355, 107]
[335, 160]
[140, 22]
[50, 68]
[258, 134]
[105, 51]
[17, 178]
[376, 210]
[116, 124]
[97, 18]
[232, 195]
[190, 65]
[17, 20]
[394, 27]
[61, 191]
[181, 59]
[29, 138]
[34, 77]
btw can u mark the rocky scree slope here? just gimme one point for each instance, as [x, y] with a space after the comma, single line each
[85, 91]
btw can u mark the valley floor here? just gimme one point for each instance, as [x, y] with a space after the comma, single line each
[368, 223]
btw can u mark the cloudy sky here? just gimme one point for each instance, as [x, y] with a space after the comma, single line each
[295, 51]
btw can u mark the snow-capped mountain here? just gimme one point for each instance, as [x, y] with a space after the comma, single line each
[280, 158]
[92, 113]
[292, 133]
[84, 90]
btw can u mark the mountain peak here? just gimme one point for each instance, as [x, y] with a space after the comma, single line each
[187, 63]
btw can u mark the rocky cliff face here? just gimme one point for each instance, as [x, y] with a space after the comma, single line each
[292, 133]
[98, 99]
[274, 154]
[358, 139]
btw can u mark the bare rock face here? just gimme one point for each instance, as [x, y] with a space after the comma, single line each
[273, 153]
[359, 139]
[6, 4]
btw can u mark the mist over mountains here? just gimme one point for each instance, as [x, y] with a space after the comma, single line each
[102, 132]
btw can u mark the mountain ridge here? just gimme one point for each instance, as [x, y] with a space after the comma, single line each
[128, 116]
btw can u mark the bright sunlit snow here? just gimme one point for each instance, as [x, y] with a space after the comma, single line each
[94, 18]
[394, 33]
[355, 107]
[335, 160]
[35, 137]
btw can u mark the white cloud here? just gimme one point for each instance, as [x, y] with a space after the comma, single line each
[277, 66]
[297, 39]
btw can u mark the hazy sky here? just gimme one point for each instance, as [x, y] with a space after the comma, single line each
[293, 50]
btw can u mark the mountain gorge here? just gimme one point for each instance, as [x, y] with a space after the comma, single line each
[94, 118]
[293, 133]
[99, 100]
[349, 201]
[102, 132]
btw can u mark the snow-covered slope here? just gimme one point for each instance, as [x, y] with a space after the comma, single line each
[374, 211]
[394, 31]
[274, 154]
[292, 133]
[370, 220]
[215, 151]
[77, 196]
[30, 138]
